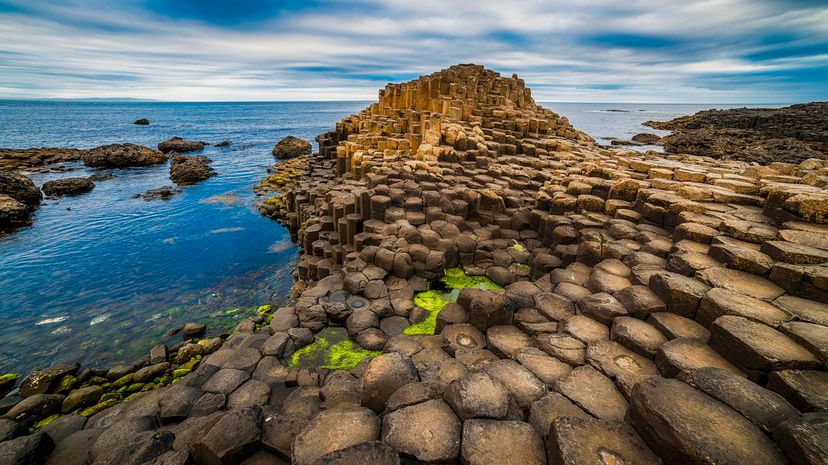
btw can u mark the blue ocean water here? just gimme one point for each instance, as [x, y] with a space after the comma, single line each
[100, 277]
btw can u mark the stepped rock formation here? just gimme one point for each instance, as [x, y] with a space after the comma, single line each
[653, 309]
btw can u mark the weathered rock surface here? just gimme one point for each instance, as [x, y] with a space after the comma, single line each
[791, 134]
[67, 186]
[291, 147]
[186, 170]
[19, 197]
[36, 159]
[179, 145]
[122, 156]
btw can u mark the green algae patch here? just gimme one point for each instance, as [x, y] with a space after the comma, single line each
[332, 350]
[446, 291]
[518, 246]
[44, 422]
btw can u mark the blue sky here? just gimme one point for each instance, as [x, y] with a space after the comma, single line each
[662, 51]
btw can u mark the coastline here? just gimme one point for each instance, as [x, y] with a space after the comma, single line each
[463, 169]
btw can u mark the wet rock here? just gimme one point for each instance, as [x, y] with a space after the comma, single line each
[82, 397]
[477, 395]
[32, 449]
[67, 186]
[683, 425]
[224, 143]
[160, 193]
[42, 381]
[333, 430]
[384, 375]
[483, 443]
[147, 374]
[291, 147]
[193, 331]
[429, 432]
[232, 439]
[186, 170]
[36, 406]
[142, 122]
[122, 156]
[179, 145]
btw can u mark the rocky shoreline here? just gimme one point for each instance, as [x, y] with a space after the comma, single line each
[763, 135]
[481, 284]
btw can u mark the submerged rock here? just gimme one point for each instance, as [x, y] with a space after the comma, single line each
[36, 158]
[142, 122]
[179, 145]
[122, 156]
[189, 170]
[159, 193]
[291, 147]
[67, 186]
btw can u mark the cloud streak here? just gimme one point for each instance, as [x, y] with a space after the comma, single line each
[711, 51]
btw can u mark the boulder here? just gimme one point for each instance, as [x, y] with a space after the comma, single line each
[36, 406]
[179, 145]
[67, 186]
[142, 122]
[82, 397]
[291, 147]
[122, 156]
[186, 170]
[42, 381]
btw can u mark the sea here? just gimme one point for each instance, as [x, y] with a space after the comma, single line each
[101, 277]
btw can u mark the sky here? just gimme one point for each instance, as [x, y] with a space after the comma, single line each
[643, 51]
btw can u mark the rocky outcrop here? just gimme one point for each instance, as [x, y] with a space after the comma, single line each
[35, 159]
[19, 197]
[67, 186]
[764, 135]
[179, 145]
[186, 170]
[159, 193]
[142, 122]
[605, 305]
[291, 147]
[122, 156]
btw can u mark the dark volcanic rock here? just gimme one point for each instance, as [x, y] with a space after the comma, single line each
[36, 158]
[19, 197]
[26, 450]
[232, 439]
[646, 138]
[179, 145]
[190, 170]
[122, 156]
[333, 430]
[291, 147]
[224, 143]
[159, 193]
[68, 186]
[142, 122]
[791, 134]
